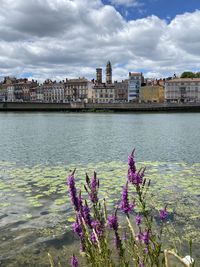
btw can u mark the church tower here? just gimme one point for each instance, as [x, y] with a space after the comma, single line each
[108, 73]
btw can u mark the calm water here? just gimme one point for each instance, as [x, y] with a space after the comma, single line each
[37, 150]
[52, 138]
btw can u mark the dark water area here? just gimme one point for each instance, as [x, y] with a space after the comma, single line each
[38, 150]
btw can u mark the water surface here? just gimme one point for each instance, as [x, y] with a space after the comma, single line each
[38, 150]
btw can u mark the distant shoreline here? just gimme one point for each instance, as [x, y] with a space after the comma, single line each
[100, 107]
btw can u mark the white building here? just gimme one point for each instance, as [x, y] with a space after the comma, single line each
[10, 93]
[134, 83]
[53, 91]
[182, 90]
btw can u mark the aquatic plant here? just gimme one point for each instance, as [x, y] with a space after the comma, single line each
[138, 243]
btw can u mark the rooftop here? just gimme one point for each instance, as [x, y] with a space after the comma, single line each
[183, 80]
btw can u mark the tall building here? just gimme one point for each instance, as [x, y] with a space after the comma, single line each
[134, 83]
[108, 73]
[99, 75]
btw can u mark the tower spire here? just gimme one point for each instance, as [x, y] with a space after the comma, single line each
[108, 73]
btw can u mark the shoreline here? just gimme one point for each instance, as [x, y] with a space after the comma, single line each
[99, 107]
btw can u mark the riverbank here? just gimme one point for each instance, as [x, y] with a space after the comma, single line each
[100, 107]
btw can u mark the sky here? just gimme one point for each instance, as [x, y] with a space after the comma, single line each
[61, 39]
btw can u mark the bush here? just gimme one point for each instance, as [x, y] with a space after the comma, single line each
[139, 244]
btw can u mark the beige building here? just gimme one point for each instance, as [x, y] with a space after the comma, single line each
[104, 93]
[78, 90]
[18, 89]
[182, 90]
[150, 94]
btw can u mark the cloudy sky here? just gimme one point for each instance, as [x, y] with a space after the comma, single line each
[70, 38]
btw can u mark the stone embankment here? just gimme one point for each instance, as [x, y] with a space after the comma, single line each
[113, 107]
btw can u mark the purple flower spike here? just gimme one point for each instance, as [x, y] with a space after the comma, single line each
[131, 162]
[73, 192]
[98, 228]
[86, 215]
[94, 189]
[93, 238]
[145, 237]
[134, 177]
[138, 219]
[141, 264]
[74, 261]
[124, 205]
[113, 222]
[163, 213]
[77, 228]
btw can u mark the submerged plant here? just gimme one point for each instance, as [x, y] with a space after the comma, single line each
[142, 243]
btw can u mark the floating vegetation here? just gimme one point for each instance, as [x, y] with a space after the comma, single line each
[25, 192]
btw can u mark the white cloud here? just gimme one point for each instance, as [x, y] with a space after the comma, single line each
[64, 38]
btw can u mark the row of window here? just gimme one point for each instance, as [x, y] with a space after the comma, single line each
[185, 83]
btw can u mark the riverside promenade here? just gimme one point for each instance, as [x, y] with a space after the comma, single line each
[91, 107]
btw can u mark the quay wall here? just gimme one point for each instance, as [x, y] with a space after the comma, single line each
[90, 107]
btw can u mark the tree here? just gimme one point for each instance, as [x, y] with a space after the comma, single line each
[197, 75]
[188, 74]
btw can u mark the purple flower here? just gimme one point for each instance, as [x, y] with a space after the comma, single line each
[163, 214]
[94, 185]
[141, 264]
[131, 162]
[144, 237]
[138, 219]
[77, 228]
[113, 222]
[97, 227]
[73, 193]
[74, 261]
[124, 204]
[86, 215]
[134, 177]
[93, 238]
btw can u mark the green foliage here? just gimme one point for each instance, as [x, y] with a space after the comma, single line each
[188, 74]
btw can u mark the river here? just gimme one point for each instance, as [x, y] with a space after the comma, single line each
[38, 150]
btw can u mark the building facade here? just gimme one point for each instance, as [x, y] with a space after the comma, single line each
[121, 91]
[151, 94]
[182, 90]
[3, 93]
[18, 89]
[104, 93]
[53, 91]
[134, 84]
[78, 90]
